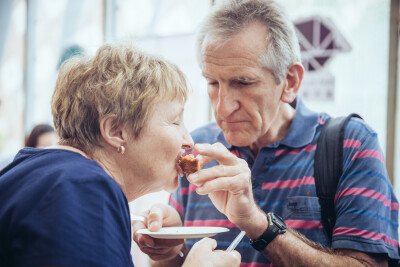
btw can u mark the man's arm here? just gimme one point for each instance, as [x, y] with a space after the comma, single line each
[294, 249]
[228, 185]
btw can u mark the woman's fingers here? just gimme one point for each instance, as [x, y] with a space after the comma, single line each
[162, 215]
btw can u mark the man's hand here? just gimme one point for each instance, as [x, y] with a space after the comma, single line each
[158, 216]
[229, 187]
[203, 253]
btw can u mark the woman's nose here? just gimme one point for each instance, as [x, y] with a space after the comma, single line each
[187, 140]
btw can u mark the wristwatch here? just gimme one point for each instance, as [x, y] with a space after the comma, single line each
[276, 226]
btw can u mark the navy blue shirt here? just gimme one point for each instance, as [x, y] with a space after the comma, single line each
[60, 208]
[283, 182]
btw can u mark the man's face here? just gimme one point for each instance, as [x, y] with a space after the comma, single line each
[244, 95]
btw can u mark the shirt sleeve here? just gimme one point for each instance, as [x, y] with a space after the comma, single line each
[366, 207]
[81, 222]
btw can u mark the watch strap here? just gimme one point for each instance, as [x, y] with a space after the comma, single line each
[276, 226]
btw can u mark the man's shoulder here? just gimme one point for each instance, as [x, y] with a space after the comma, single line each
[357, 126]
[206, 134]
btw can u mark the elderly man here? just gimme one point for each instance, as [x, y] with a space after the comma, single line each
[259, 157]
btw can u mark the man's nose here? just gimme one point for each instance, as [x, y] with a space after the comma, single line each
[227, 102]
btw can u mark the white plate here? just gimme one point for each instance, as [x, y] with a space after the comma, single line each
[184, 232]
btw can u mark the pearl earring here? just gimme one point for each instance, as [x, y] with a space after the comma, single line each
[121, 149]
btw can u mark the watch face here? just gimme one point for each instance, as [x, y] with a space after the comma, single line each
[278, 221]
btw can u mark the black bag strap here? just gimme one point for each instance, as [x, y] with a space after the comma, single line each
[328, 167]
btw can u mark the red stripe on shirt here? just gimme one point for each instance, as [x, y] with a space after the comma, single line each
[236, 153]
[186, 190]
[216, 223]
[351, 143]
[175, 204]
[368, 154]
[295, 151]
[368, 193]
[255, 264]
[366, 234]
[289, 183]
[304, 224]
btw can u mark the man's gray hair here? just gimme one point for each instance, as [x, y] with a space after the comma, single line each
[229, 17]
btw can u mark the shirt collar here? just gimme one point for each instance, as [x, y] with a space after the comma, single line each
[301, 131]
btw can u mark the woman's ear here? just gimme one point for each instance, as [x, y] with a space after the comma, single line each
[293, 79]
[112, 131]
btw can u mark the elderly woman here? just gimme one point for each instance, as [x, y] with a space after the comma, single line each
[119, 119]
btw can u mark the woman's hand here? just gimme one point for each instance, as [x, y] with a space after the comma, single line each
[159, 215]
[228, 185]
[203, 254]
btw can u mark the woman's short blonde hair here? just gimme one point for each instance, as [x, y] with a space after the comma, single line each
[119, 80]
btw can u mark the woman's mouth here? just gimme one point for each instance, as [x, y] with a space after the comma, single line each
[180, 171]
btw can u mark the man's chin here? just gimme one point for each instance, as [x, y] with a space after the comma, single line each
[237, 139]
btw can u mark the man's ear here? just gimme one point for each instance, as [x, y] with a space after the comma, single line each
[292, 83]
[112, 131]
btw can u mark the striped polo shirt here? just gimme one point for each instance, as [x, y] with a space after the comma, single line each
[283, 182]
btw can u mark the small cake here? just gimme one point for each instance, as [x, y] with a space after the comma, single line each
[189, 164]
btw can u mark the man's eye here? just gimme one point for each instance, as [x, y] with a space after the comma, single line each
[244, 83]
[212, 83]
[239, 84]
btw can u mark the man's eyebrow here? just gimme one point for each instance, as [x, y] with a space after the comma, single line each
[244, 78]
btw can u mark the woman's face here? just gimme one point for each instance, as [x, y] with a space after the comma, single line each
[156, 151]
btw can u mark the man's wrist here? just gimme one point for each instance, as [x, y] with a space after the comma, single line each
[276, 226]
[256, 225]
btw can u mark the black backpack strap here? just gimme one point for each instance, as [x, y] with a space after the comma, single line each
[328, 167]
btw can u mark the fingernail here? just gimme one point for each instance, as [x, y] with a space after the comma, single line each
[153, 224]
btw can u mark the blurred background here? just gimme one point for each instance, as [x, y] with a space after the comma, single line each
[349, 48]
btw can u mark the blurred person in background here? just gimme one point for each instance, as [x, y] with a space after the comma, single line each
[42, 135]
[119, 117]
[259, 156]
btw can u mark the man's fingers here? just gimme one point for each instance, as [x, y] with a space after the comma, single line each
[214, 172]
[235, 185]
[203, 159]
[216, 151]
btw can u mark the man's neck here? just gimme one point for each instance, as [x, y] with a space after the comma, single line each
[277, 131]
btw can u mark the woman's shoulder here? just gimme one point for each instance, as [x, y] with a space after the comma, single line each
[55, 167]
